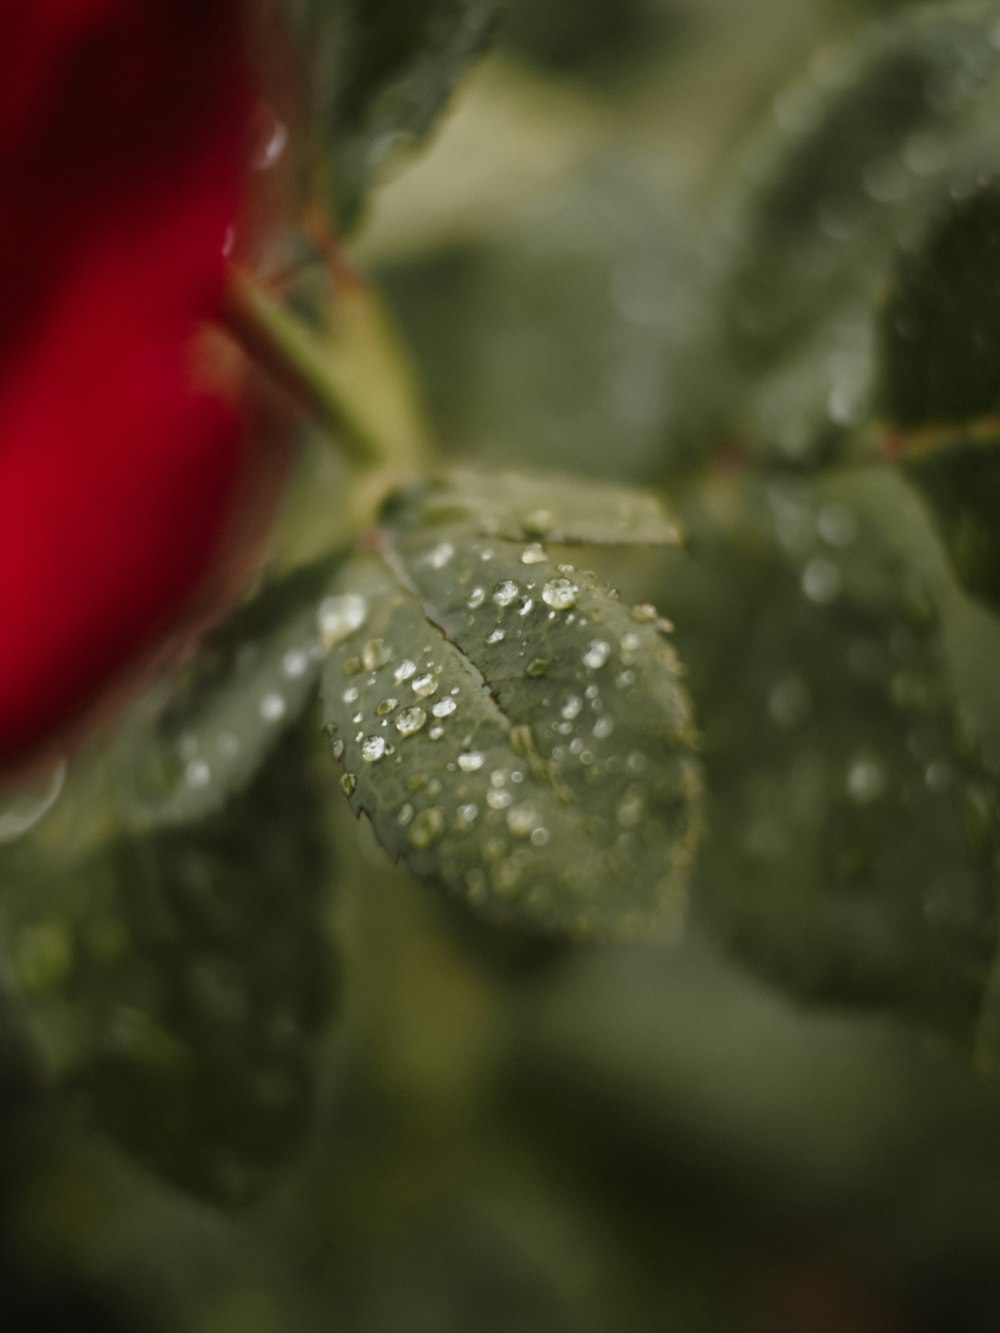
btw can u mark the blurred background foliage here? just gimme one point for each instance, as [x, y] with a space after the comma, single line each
[254, 1078]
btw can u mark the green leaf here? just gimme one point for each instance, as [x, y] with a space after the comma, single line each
[202, 736]
[940, 389]
[858, 156]
[940, 328]
[176, 984]
[383, 72]
[546, 345]
[515, 733]
[520, 506]
[851, 848]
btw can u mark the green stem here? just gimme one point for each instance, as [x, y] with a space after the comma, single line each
[353, 377]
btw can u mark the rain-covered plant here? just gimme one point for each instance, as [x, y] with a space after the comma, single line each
[665, 658]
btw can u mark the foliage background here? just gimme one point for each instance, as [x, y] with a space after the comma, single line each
[256, 1078]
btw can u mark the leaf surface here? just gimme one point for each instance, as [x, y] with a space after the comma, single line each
[851, 843]
[383, 73]
[516, 734]
[202, 736]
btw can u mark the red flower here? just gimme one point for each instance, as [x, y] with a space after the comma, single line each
[123, 132]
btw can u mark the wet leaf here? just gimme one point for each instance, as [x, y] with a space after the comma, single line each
[940, 389]
[859, 155]
[382, 74]
[520, 506]
[176, 984]
[516, 734]
[202, 736]
[850, 850]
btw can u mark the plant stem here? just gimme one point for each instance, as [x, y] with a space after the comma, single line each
[353, 377]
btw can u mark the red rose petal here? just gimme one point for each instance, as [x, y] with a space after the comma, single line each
[123, 127]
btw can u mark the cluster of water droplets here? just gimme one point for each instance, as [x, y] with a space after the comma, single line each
[517, 731]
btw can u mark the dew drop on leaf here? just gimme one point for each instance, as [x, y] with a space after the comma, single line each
[410, 720]
[341, 616]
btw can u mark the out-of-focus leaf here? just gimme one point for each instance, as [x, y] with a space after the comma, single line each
[549, 346]
[850, 852]
[201, 737]
[383, 71]
[177, 983]
[519, 506]
[857, 157]
[940, 327]
[514, 732]
[940, 390]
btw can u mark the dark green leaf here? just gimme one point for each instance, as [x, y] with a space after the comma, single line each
[851, 845]
[520, 506]
[515, 733]
[202, 736]
[959, 479]
[383, 71]
[940, 330]
[860, 155]
[177, 983]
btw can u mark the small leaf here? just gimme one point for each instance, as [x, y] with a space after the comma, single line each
[851, 850]
[518, 506]
[201, 737]
[383, 73]
[516, 734]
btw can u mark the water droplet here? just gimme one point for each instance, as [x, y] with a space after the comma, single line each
[631, 808]
[427, 827]
[348, 784]
[866, 780]
[571, 708]
[272, 148]
[603, 728]
[424, 685]
[497, 798]
[644, 613]
[340, 617]
[560, 594]
[505, 592]
[467, 814]
[337, 748]
[444, 707]
[597, 653]
[537, 667]
[471, 761]
[440, 555]
[534, 554]
[436, 732]
[350, 695]
[405, 815]
[376, 653]
[821, 581]
[404, 671]
[295, 663]
[476, 598]
[197, 774]
[539, 836]
[525, 606]
[495, 636]
[385, 707]
[372, 748]
[272, 707]
[522, 821]
[410, 720]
